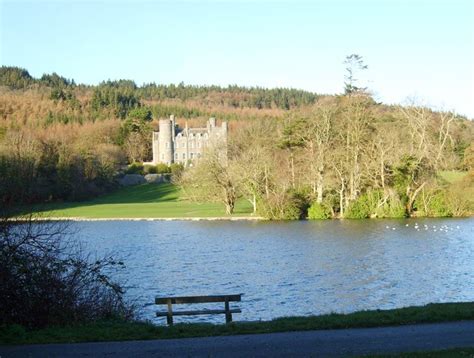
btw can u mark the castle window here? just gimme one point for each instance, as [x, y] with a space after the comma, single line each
[184, 155]
[184, 145]
[176, 156]
[192, 155]
[191, 145]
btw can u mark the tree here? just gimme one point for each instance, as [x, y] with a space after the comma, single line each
[290, 140]
[317, 136]
[136, 132]
[410, 177]
[212, 178]
[354, 65]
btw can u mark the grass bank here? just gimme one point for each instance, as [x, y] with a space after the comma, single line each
[141, 201]
[121, 331]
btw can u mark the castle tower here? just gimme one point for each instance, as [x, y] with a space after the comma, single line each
[156, 147]
[165, 140]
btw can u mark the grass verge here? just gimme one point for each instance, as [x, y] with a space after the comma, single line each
[121, 331]
[141, 201]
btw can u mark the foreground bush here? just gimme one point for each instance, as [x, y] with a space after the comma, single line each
[150, 169]
[318, 211]
[135, 168]
[376, 203]
[46, 280]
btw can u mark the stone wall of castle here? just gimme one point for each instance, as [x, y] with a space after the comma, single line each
[175, 145]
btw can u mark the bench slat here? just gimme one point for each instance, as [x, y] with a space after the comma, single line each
[198, 299]
[198, 312]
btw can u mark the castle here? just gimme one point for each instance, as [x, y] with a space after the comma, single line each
[172, 144]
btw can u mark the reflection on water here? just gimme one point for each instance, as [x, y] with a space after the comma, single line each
[292, 268]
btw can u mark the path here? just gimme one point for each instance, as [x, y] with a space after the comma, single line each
[344, 342]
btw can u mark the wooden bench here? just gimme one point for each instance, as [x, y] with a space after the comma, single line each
[197, 299]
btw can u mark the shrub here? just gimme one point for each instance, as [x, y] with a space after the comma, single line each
[360, 208]
[318, 211]
[288, 205]
[433, 203]
[376, 203]
[135, 168]
[460, 196]
[150, 169]
[162, 168]
[176, 170]
[46, 280]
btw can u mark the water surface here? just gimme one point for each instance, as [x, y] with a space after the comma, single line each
[291, 268]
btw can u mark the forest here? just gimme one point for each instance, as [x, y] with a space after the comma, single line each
[292, 153]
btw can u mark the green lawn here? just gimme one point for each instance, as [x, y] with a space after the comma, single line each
[452, 176]
[120, 331]
[142, 201]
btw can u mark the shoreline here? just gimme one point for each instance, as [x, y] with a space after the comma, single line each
[207, 218]
[211, 218]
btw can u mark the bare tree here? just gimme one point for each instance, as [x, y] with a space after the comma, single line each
[212, 178]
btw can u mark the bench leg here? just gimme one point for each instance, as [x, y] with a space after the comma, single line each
[169, 317]
[228, 314]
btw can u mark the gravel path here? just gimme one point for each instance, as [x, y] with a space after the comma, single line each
[329, 343]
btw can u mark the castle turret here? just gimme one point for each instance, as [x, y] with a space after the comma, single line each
[156, 147]
[166, 141]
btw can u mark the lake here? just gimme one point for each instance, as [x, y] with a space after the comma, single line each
[291, 268]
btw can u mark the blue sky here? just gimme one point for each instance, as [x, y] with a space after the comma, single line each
[422, 49]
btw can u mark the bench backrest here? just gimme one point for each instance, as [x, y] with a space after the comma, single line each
[198, 299]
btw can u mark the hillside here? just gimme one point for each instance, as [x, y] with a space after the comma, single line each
[66, 141]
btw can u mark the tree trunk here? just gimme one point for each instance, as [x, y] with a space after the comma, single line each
[319, 187]
[341, 198]
[412, 198]
[292, 165]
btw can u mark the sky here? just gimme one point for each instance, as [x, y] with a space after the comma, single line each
[420, 51]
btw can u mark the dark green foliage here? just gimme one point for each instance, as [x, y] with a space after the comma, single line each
[63, 118]
[140, 114]
[16, 180]
[376, 203]
[233, 96]
[15, 77]
[408, 173]
[150, 169]
[318, 211]
[162, 168]
[359, 209]
[120, 100]
[55, 81]
[291, 137]
[433, 204]
[46, 281]
[53, 176]
[135, 168]
[137, 121]
[60, 94]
